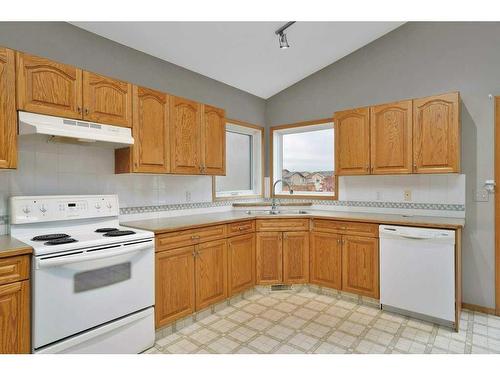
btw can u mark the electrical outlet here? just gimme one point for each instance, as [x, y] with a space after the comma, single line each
[407, 195]
[481, 195]
[188, 196]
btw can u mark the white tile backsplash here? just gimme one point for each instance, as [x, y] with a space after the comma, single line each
[425, 188]
[57, 168]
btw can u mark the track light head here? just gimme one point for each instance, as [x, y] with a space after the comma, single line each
[283, 41]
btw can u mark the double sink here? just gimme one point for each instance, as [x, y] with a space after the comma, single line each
[277, 212]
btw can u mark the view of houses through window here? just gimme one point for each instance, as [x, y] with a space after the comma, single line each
[305, 159]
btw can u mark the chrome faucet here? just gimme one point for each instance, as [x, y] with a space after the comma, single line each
[275, 201]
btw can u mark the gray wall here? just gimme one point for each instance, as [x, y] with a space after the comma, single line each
[420, 59]
[71, 45]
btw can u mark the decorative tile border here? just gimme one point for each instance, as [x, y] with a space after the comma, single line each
[376, 204]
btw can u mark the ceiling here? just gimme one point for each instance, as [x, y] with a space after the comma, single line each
[245, 55]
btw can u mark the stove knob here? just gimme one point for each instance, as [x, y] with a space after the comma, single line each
[26, 210]
[98, 206]
[109, 205]
[43, 209]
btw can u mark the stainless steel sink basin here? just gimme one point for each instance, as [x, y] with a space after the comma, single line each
[277, 213]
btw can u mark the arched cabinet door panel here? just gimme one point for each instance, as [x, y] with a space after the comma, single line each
[352, 142]
[48, 87]
[436, 134]
[8, 116]
[214, 141]
[107, 100]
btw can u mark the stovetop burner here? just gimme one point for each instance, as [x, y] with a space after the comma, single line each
[49, 237]
[117, 233]
[105, 230]
[60, 241]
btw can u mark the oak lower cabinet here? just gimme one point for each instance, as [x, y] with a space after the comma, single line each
[15, 305]
[8, 115]
[345, 256]
[282, 257]
[210, 273]
[326, 260]
[269, 254]
[175, 282]
[360, 265]
[241, 263]
[189, 279]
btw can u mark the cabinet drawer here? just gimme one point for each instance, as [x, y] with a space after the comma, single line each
[189, 237]
[345, 227]
[240, 227]
[14, 269]
[276, 225]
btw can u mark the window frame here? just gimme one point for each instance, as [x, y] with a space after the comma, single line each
[274, 155]
[251, 129]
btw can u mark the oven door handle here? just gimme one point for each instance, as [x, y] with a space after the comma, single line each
[85, 257]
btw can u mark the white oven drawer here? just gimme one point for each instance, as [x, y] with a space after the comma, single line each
[78, 292]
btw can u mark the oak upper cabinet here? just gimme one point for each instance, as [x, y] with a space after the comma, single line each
[213, 141]
[8, 116]
[326, 259]
[269, 253]
[174, 290]
[107, 100]
[241, 263]
[360, 265]
[210, 273]
[48, 87]
[150, 129]
[185, 136]
[391, 138]
[295, 257]
[352, 142]
[436, 134]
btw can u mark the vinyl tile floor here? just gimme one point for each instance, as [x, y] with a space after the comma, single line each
[306, 322]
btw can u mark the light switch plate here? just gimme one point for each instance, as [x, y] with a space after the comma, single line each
[407, 195]
[481, 195]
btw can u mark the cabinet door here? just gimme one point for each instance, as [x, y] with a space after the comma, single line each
[211, 273]
[326, 260]
[295, 257]
[15, 318]
[48, 87]
[352, 142]
[107, 100]
[150, 131]
[241, 263]
[174, 285]
[360, 266]
[213, 141]
[185, 136]
[391, 138]
[8, 116]
[436, 134]
[269, 258]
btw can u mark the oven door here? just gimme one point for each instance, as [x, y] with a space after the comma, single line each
[79, 290]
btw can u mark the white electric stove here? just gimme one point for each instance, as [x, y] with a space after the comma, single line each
[92, 279]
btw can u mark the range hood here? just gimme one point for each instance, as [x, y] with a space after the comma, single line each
[58, 129]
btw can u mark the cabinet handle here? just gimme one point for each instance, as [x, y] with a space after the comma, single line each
[194, 253]
[195, 237]
[86, 111]
[79, 109]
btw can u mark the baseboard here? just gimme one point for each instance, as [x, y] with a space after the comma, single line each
[479, 308]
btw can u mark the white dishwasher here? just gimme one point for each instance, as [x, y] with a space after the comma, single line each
[417, 272]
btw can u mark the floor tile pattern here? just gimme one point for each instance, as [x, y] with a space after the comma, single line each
[290, 322]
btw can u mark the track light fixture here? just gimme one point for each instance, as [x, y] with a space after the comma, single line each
[282, 36]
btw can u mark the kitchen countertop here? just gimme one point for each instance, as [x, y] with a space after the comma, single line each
[11, 247]
[171, 224]
[269, 204]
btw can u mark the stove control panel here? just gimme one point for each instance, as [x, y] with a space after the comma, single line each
[34, 209]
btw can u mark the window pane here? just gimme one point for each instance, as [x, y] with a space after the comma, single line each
[308, 161]
[238, 163]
